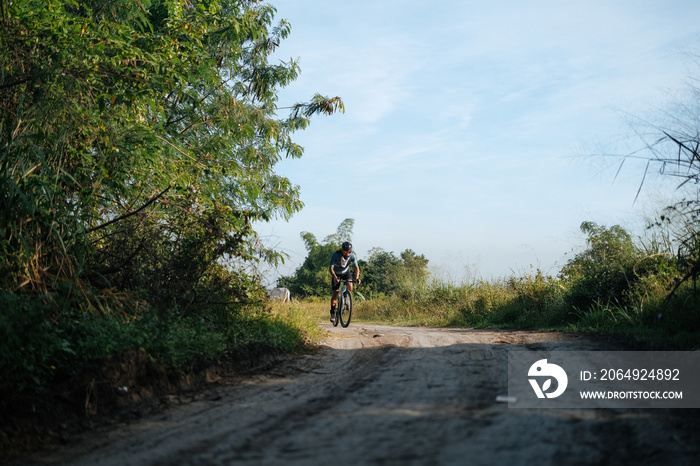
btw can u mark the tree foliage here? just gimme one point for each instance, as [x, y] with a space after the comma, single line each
[378, 273]
[603, 272]
[139, 139]
[312, 278]
[138, 144]
[384, 273]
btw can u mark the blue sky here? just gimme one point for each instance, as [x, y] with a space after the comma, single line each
[468, 125]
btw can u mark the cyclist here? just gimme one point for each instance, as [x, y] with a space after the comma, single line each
[340, 270]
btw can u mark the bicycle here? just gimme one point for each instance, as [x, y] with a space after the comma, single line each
[343, 309]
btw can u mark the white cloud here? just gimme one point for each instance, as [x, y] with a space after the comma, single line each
[462, 115]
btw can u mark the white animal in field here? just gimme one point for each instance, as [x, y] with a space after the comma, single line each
[280, 294]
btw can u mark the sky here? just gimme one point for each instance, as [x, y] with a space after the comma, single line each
[471, 128]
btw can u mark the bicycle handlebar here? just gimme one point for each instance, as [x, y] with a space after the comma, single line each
[346, 280]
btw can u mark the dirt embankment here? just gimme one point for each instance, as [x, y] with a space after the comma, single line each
[387, 395]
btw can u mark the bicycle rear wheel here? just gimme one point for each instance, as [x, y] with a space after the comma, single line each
[346, 311]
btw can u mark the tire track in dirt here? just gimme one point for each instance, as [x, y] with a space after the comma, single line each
[356, 370]
[392, 395]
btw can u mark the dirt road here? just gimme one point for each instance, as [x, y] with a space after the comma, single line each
[388, 395]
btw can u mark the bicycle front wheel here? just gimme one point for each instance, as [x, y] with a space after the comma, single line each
[346, 311]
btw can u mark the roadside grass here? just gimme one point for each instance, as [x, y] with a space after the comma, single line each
[38, 351]
[659, 322]
[36, 354]
[526, 303]
[535, 303]
[302, 316]
[78, 367]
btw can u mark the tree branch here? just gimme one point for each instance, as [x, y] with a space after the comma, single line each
[130, 214]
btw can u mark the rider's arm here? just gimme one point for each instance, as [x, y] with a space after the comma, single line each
[357, 268]
[331, 268]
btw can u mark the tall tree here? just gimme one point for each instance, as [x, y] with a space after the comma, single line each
[385, 273]
[415, 268]
[379, 273]
[138, 140]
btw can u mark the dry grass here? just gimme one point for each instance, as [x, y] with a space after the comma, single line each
[304, 315]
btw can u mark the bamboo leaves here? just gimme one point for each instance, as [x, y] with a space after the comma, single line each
[138, 118]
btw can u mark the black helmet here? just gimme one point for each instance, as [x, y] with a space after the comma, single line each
[347, 246]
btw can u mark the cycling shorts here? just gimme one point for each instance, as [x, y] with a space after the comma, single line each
[341, 277]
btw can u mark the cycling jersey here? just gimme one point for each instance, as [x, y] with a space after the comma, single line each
[341, 264]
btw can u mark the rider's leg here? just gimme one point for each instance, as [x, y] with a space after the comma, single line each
[334, 301]
[334, 298]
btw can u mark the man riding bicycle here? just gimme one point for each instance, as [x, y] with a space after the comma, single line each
[340, 270]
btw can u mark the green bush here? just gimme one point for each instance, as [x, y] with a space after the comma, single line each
[604, 272]
[31, 346]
